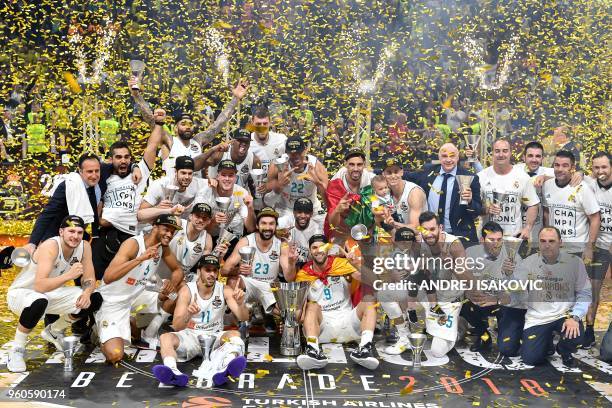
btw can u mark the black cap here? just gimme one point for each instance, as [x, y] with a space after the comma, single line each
[295, 144]
[394, 162]
[169, 221]
[180, 115]
[184, 162]
[303, 204]
[202, 208]
[227, 164]
[72, 221]
[317, 238]
[241, 134]
[267, 212]
[405, 234]
[208, 260]
[5, 257]
[355, 152]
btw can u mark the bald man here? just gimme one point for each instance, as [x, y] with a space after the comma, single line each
[444, 198]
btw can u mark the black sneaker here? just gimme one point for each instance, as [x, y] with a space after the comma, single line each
[364, 356]
[481, 344]
[269, 324]
[412, 317]
[551, 349]
[311, 359]
[568, 361]
[589, 338]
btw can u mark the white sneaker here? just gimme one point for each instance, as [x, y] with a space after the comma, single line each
[15, 362]
[399, 347]
[52, 337]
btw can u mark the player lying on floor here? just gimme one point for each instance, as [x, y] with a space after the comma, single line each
[329, 315]
[199, 313]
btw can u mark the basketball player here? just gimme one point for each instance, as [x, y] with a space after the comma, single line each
[305, 176]
[329, 314]
[123, 287]
[199, 311]
[40, 288]
[270, 260]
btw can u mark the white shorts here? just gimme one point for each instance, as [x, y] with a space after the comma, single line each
[340, 327]
[62, 300]
[256, 290]
[446, 331]
[113, 318]
[189, 345]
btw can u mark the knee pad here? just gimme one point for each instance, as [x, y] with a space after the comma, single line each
[31, 315]
[96, 302]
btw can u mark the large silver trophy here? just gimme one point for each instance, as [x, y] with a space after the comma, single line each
[247, 254]
[154, 284]
[464, 182]
[258, 178]
[206, 341]
[499, 198]
[471, 142]
[290, 298]
[137, 67]
[417, 342]
[69, 347]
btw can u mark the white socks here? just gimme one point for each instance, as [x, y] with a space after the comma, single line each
[21, 339]
[153, 328]
[313, 341]
[170, 361]
[366, 337]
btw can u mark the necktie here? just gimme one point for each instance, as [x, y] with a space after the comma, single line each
[531, 173]
[442, 200]
[91, 193]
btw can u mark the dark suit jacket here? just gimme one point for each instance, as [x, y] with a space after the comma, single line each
[461, 217]
[48, 223]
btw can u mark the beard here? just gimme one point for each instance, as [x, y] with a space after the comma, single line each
[186, 135]
[266, 235]
[322, 262]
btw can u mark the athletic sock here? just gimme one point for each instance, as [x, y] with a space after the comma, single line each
[313, 341]
[21, 339]
[366, 337]
[170, 361]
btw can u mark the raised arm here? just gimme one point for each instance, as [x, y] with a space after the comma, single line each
[205, 137]
[229, 267]
[126, 260]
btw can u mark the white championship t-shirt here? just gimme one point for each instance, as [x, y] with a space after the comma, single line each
[568, 208]
[122, 200]
[521, 192]
[162, 189]
[537, 225]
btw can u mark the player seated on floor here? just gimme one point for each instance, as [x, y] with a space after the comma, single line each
[329, 315]
[39, 289]
[199, 311]
[123, 288]
[271, 259]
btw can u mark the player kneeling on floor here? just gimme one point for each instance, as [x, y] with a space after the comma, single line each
[329, 314]
[199, 313]
[39, 288]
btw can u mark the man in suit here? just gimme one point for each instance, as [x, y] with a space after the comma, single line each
[442, 190]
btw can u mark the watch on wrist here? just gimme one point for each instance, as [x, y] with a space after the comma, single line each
[576, 318]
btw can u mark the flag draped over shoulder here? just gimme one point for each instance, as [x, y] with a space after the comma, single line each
[361, 211]
[334, 267]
